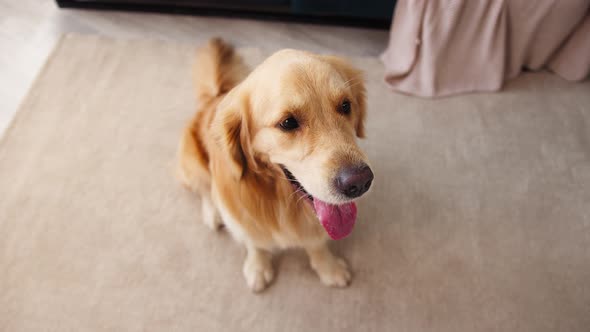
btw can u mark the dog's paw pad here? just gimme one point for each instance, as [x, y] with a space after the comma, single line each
[335, 273]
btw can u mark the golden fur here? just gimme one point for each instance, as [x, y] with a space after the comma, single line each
[231, 151]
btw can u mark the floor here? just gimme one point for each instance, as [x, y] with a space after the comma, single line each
[30, 28]
[478, 219]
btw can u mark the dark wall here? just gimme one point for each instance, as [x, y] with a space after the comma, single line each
[376, 13]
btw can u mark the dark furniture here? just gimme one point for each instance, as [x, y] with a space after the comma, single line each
[376, 13]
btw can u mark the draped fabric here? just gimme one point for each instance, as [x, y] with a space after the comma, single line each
[445, 47]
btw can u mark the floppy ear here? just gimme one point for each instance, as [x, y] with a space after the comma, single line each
[230, 128]
[355, 80]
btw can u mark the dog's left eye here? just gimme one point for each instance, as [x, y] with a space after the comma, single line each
[289, 124]
[344, 107]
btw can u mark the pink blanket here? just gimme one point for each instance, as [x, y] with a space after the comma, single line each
[445, 47]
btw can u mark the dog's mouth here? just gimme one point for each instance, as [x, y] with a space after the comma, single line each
[337, 220]
[296, 184]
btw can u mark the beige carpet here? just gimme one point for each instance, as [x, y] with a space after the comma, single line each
[479, 219]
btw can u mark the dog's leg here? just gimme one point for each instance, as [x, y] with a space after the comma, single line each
[209, 213]
[258, 269]
[333, 271]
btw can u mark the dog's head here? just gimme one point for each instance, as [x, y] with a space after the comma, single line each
[302, 112]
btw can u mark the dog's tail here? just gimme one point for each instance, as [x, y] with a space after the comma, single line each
[217, 70]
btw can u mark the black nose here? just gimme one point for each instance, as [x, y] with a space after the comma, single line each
[354, 181]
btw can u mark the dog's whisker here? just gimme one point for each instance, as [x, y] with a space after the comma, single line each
[299, 190]
[299, 200]
[293, 193]
[348, 85]
[354, 84]
[280, 176]
[353, 79]
[285, 178]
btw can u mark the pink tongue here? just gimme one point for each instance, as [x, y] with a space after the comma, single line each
[338, 220]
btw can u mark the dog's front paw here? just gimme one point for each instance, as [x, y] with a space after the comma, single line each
[334, 272]
[258, 272]
[210, 216]
[213, 221]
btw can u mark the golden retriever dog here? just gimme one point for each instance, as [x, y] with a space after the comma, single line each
[273, 155]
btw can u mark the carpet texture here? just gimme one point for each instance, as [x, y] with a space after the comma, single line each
[479, 217]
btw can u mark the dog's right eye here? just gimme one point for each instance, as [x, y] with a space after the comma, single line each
[289, 124]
